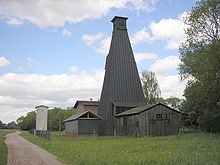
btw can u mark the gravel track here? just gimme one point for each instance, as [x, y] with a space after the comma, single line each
[23, 152]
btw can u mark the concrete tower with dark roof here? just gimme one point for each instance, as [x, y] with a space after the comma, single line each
[121, 81]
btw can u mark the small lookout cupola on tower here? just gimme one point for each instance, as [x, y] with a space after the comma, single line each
[119, 23]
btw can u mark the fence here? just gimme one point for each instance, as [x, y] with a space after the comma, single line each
[41, 133]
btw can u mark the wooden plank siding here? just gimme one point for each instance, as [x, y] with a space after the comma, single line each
[156, 121]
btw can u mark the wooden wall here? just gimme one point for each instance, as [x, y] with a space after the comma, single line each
[71, 127]
[157, 121]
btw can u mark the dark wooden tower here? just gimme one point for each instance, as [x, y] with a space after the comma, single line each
[121, 81]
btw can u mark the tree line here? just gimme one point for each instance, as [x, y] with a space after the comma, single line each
[11, 125]
[55, 118]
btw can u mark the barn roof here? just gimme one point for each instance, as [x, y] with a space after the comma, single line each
[90, 103]
[138, 110]
[128, 104]
[78, 115]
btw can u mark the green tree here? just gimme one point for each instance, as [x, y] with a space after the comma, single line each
[200, 56]
[150, 87]
[56, 116]
[12, 125]
[29, 121]
[173, 102]
[20, 121]
[2, 125]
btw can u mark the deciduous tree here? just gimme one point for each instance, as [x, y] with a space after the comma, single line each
[200, 56]
[150, 87]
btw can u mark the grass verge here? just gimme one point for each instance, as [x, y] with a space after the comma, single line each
[196, 149]
[3, 147]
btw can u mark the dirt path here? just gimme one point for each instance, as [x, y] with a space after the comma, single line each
[23, 152]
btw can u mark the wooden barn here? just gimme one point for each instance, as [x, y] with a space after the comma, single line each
[84, 123]
[148, 120]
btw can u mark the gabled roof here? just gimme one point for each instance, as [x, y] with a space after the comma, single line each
[138, 110]
[128, 104]
[78, 115]
[90, 103]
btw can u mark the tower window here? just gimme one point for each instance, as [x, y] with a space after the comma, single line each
[121, 24]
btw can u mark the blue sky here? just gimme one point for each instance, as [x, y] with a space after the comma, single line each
[53, 52]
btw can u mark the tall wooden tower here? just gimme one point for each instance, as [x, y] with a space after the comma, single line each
[121, 81]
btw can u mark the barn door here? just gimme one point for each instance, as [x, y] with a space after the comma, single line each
[159, 127]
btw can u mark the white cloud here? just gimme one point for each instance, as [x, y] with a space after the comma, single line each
[165, 65]
[14, 22]
[169, 82]
[66, 33]
[4, 61]
[140, 36]
[170, 30]
[56, 13]
[104, 45]
[20, 93]
[171, 85]
[144, 56]
[146, 6]
[46, 13]
[90, 39]
[100, 42]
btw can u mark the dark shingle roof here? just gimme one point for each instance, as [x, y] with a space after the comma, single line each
[128, 104]
[76, 116]
[138, 110]
[91, 103]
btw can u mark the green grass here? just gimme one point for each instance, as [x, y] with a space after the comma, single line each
[197, 148]
[3, 147]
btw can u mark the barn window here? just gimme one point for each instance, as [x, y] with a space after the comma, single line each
[159, 116]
